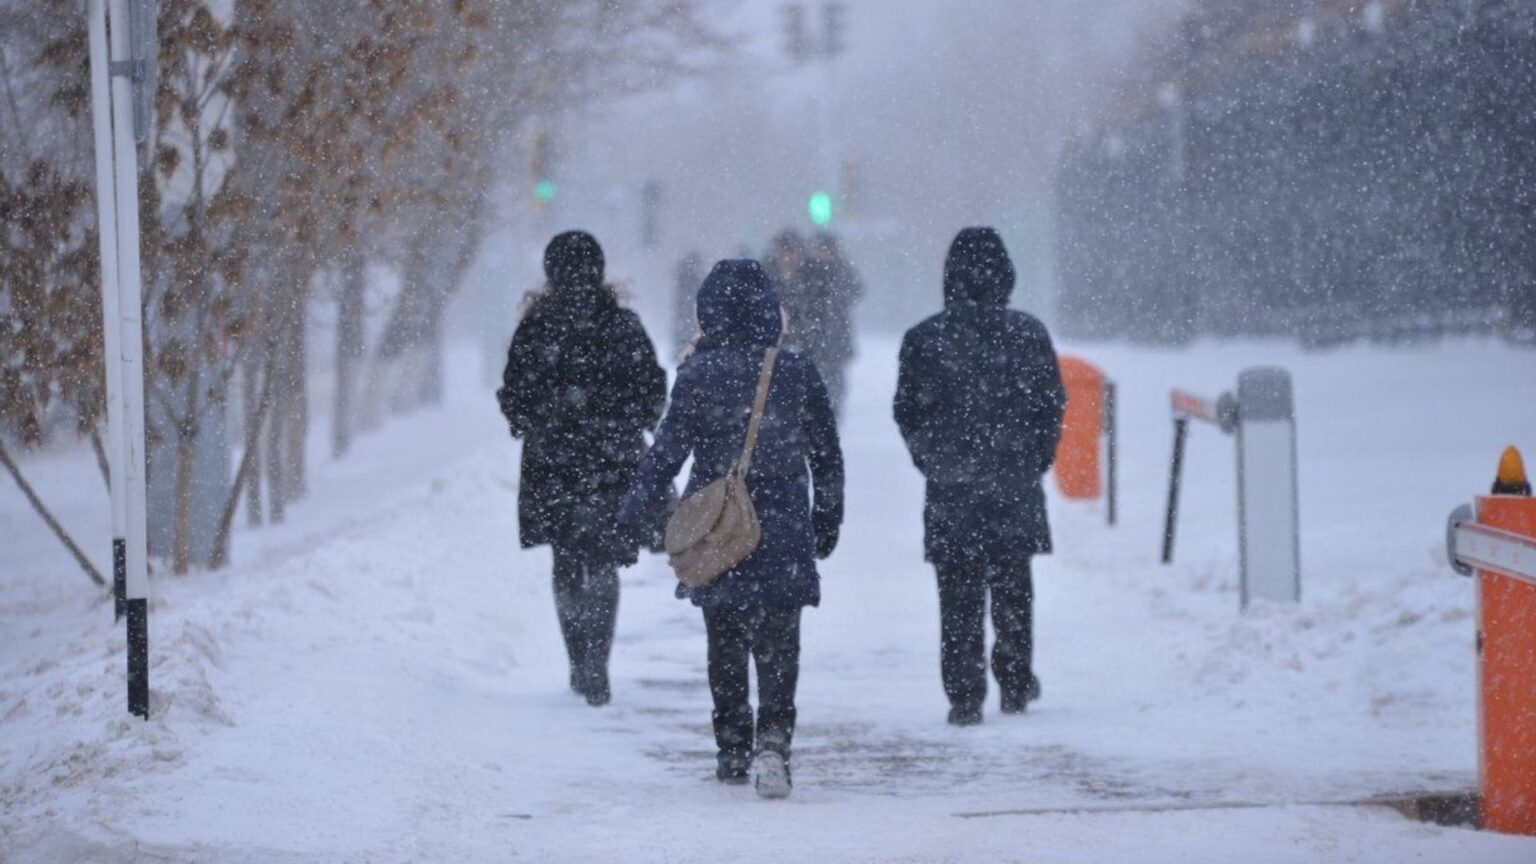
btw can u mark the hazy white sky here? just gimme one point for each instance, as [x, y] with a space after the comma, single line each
[942, 113]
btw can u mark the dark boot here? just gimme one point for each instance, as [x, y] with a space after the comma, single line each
[601, 616]
[965, 715]
[568, 607]
[1013, 597]
[732, 768]
[963, 640]
[729, 648]
[776, 650]
[1017, 701]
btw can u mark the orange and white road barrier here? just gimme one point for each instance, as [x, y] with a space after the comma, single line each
[1263, 416]
[1084, 468]
[1495, 539]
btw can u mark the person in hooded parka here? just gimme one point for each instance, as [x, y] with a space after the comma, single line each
[785, 264]
[690, 272]
[581, 388]
[979, 402]
[833, 287]
[753, 610]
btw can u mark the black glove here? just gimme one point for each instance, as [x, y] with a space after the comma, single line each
[657, 541]
[827, 525]
[634, 535]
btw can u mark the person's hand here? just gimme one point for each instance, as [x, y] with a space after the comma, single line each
[656, 540]
[827, 528]
[634, 534]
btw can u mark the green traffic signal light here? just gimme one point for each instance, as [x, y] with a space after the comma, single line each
[545, 190]
[820, 208]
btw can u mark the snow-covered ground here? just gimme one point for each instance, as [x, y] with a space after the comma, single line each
[381, 679]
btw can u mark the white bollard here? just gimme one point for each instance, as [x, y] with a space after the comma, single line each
[1269, 530]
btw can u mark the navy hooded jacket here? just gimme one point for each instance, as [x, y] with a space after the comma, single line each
[711, 402]
[979, 401]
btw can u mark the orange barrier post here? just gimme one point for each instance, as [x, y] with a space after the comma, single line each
[1501, 545]
[1507, 674]
[1079, 471]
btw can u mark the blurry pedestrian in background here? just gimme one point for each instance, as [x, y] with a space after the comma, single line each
[786, 270]
[979, 402]
[685, 325]
[581, 388]
[753, 610]
[831, 288]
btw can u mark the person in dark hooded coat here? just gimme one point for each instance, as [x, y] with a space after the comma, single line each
[979, 401]
[826, 333]
[690, 272]
[581, 388]
[753, 610]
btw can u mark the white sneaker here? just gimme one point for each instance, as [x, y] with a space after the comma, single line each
[770, 775]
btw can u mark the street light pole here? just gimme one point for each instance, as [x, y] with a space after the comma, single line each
[801, 44]
[118, 67]
[106, 219]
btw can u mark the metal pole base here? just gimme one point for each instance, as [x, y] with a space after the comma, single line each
[138, 657]
[119, 578]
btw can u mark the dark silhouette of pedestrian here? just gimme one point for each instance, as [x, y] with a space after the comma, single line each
[753, 610]
[979, 402]
[831, 287]
[685, 324]
[581, 388]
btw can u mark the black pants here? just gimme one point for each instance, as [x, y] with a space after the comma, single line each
[963, 590]
[772, 638]
[587, 601]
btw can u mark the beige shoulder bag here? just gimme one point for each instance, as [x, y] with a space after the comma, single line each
[716, 528]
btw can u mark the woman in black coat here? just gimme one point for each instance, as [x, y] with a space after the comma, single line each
[581, 388]
[753, 610]
[979, 401]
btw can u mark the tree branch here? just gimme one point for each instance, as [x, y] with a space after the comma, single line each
[101, 458]
[53, 524]
[247, 460]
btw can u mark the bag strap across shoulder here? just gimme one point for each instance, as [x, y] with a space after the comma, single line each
[759, 403]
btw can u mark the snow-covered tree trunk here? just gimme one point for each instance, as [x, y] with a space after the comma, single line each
[350, 348]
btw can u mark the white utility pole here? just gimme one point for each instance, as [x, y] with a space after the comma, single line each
[118, 71]
[106, 220]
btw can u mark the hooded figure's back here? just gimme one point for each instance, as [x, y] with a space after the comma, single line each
[711, 402]
[979, 403]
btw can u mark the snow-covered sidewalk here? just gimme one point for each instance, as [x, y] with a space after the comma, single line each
[382, 680]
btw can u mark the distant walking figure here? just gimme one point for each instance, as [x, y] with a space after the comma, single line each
[753, 610]
[979, 401]
[581, 388]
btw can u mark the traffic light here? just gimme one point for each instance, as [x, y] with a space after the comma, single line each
[820, 209]
[541, 159]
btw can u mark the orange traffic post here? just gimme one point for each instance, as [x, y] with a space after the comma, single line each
[1079, 461]
[1497, 540]
[1507, 667]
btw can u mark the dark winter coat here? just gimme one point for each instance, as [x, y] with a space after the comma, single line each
[830, 288]
[979, 401]
[581, 387]
[711, 402]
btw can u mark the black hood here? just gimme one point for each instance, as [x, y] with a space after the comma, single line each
[573, 260]
[978, 269]
[737, 306]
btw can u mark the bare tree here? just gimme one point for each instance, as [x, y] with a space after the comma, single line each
[294, 145]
